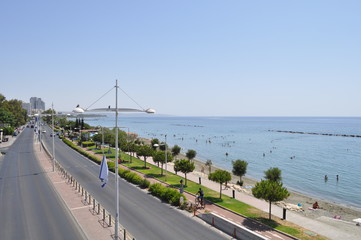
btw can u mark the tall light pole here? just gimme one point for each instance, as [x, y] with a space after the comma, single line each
[52, 123]
[149, 110]
[166, 155]
[116, 162]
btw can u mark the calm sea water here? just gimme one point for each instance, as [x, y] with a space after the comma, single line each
[303, 159]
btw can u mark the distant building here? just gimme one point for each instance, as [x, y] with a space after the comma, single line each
[26, 106]
[35, 105]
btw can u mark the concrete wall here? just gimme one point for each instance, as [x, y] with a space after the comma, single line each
[230, 228]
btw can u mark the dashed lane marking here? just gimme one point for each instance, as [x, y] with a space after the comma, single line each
[79, 208]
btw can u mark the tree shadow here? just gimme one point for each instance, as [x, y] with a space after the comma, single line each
[153, 175]
[138, 167]
[211, 200]
[260, 224]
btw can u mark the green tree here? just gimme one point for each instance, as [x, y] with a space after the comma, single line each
[7, 117]
[220, 176]
[175, 150]
[185, 166]
[18, 114]
[239, 169]
[159, 157]
[191, 154]
[209, 164]
[154, 142]
[145, 151]
[273, 174]
[271, 191]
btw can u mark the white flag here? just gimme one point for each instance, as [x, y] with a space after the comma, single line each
[103, 176]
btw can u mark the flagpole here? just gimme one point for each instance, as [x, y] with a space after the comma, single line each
[116, 162]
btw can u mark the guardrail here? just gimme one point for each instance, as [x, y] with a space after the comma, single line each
[107, 220]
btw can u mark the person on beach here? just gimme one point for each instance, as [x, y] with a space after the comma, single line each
[315, 205]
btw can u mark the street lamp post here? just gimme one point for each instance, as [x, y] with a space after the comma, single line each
[166, 155]
[149, 110]
[52, 123]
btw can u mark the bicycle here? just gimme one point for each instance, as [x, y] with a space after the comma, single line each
[199, 202]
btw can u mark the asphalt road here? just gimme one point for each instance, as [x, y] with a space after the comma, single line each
[29, 206]
[144, 216]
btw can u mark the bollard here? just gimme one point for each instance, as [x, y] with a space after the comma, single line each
[93, 204]
[200, 181]
[103, 214]
[234, 193]
[82, 191]
[125, 233]
[86, 196]
[76, 185]
[98, 208]
[90, 197]
[110, 220]
[284, 214]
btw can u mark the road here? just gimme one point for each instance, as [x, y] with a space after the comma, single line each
[140, 213]
[29, 206]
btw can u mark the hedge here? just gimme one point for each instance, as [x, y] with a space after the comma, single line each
[169, 195]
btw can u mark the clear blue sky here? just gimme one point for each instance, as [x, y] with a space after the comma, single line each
[187, 58]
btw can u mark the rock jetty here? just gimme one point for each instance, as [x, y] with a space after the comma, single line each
[313, 133]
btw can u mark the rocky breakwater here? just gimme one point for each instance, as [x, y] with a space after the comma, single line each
[313, 133]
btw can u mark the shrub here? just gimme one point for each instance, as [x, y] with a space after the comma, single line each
[88, 144]
[156, 189]
[111, 166]
[169, 195]
[144, 183]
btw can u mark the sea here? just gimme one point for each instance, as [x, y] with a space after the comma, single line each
[265, 142]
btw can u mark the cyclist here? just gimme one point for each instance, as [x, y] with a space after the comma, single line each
[200, 194]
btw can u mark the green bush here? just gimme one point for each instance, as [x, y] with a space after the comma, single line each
[144, 183]
[169, 195]
[111, 166]
[8, 130]
[156, 189]
[123, 172]
[88, 144]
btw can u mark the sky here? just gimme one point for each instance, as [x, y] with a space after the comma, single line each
[185, 58]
